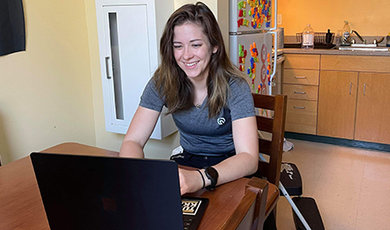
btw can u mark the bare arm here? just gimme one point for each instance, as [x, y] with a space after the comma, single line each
[140, 129]
[244, 163]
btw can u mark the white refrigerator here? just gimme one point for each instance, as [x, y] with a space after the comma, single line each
[250, 35]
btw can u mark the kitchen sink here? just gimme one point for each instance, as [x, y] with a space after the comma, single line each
[370, 49]
[372, 45]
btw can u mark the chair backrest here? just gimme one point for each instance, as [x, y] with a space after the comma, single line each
[271, 119]
[256, 191]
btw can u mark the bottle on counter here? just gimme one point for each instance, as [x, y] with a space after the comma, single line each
[345, 37]
[308, 37]
[388, 40]
[339, 35]
[328, 38]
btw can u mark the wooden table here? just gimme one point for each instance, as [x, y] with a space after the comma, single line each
[235, 205]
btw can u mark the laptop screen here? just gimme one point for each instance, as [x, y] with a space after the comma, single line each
[91, 192]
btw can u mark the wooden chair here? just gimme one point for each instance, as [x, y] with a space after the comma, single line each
[256, 192]
[271, 120]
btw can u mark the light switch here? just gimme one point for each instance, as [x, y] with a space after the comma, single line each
[279, 19]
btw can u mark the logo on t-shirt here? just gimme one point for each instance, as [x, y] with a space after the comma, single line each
[221, 121]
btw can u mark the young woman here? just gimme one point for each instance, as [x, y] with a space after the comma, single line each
[211, 104]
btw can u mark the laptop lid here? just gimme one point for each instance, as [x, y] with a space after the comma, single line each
[91, 192]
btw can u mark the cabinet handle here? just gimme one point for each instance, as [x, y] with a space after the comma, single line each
[364, 89]
[300, 77]
[299, 107]
[298, 92]
[107, 68]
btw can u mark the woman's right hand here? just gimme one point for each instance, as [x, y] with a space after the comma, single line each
[190, 181]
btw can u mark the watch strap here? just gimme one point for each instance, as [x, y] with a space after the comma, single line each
[212, 174]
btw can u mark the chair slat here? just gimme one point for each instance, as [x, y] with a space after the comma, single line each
[264, 124]
[264, 101]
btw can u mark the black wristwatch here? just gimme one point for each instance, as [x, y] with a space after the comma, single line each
[212, 174]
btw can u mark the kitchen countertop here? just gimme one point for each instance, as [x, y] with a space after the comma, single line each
[335, 51]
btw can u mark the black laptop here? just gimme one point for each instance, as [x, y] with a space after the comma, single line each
[91, 192]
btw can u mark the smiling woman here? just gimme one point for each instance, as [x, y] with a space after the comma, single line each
[12, 34]
[211, 104]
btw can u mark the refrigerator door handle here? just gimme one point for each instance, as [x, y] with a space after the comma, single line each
[275, 16]
[275, 41]
[275, 56]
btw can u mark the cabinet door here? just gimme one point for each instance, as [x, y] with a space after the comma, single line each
[301, 116]
[302, 61]
[337, 103]
[130, 58]
[301, 76]
[373, 108]
[128, 48]
[302, 92]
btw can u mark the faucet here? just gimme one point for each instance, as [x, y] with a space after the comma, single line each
[358, 35]
[378, 41]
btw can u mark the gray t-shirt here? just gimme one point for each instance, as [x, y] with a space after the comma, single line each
[199, 134]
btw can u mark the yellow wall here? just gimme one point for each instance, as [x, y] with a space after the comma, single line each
[46, 91]
[369, 18]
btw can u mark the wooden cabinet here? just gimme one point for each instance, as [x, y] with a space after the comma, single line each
[337, 104]
[373, 108]
[338, 96]
[375, 64]
[300, 84]
[353, 100]
[302, 61]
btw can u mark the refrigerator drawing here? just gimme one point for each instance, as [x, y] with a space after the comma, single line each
[251, 40]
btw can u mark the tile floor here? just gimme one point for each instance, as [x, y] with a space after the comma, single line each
[351, 186]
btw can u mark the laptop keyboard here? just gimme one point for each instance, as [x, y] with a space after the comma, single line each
[187, 222]
[193, 210]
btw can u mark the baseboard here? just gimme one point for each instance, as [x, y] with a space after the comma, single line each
[338, 141]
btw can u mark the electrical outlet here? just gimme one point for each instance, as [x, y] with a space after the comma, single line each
[279, 19]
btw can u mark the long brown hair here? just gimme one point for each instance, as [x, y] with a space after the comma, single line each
[171, 80]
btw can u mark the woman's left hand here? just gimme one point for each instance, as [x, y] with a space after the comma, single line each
[190, 181]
